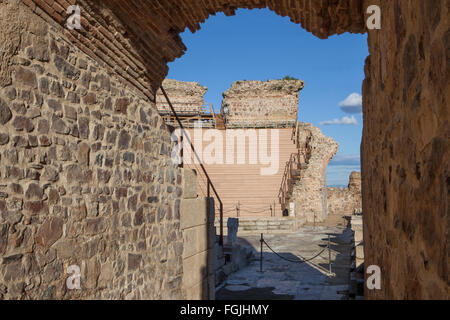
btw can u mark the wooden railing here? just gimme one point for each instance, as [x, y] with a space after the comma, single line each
[209, 185]
[203, 114]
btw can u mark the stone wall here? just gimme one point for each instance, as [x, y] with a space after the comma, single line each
[85, 175]
[272, 103]
[345, 200]
[309, 192]
[184, 96]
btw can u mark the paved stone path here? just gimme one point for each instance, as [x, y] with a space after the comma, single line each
[282, 279]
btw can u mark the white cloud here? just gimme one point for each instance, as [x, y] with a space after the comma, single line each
[343, 121]
[346, 160]
[340, 167]
[352, 104]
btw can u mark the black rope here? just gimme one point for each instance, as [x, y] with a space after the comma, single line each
[248, 211]
[295, 261]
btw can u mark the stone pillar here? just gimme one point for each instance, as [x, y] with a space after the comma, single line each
[233, 225]
[197, 225]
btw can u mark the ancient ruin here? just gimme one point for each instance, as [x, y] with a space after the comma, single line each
[257, 111]
[86, 176]
[310, 191]
[345, 200]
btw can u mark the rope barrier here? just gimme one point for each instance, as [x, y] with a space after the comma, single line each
[295, 261]
[262, 241]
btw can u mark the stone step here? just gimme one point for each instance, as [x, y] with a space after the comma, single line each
[262, 224]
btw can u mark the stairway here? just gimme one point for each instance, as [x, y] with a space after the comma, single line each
[267, 225]
[242, 188]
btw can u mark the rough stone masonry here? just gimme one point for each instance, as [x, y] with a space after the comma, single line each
[86, 175]
[271, 103]
[405, 147]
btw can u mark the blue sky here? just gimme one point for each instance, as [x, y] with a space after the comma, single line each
[260, 45]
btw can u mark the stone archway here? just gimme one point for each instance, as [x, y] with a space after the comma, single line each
[404, 150]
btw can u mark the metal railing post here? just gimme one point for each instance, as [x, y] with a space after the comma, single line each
[208, 192]
[261, 255]
[329, 255]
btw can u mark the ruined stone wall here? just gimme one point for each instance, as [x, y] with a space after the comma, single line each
[405, 150]
[262, 103]
[345, 200]
[309, 193]
[184, 96]
[85, 175]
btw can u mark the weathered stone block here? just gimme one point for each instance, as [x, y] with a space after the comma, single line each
[190, 209]
[196, 239]
[134, 261]
[22, 123]
[5, 112]
[121, 105]
[90, 98]
[66, 68]
[83, 153]
[4, 138]
[124, 140]
[95, 226]
[195, 269]
[189, 179]
[34, 191]
[50, 231]
[26, 77]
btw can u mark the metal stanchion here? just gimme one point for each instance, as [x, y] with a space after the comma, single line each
[261, 254]
[329, 255]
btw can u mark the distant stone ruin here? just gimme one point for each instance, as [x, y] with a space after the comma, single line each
[299, 187]
[345, 200]
[310, 191]
[184, 96]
